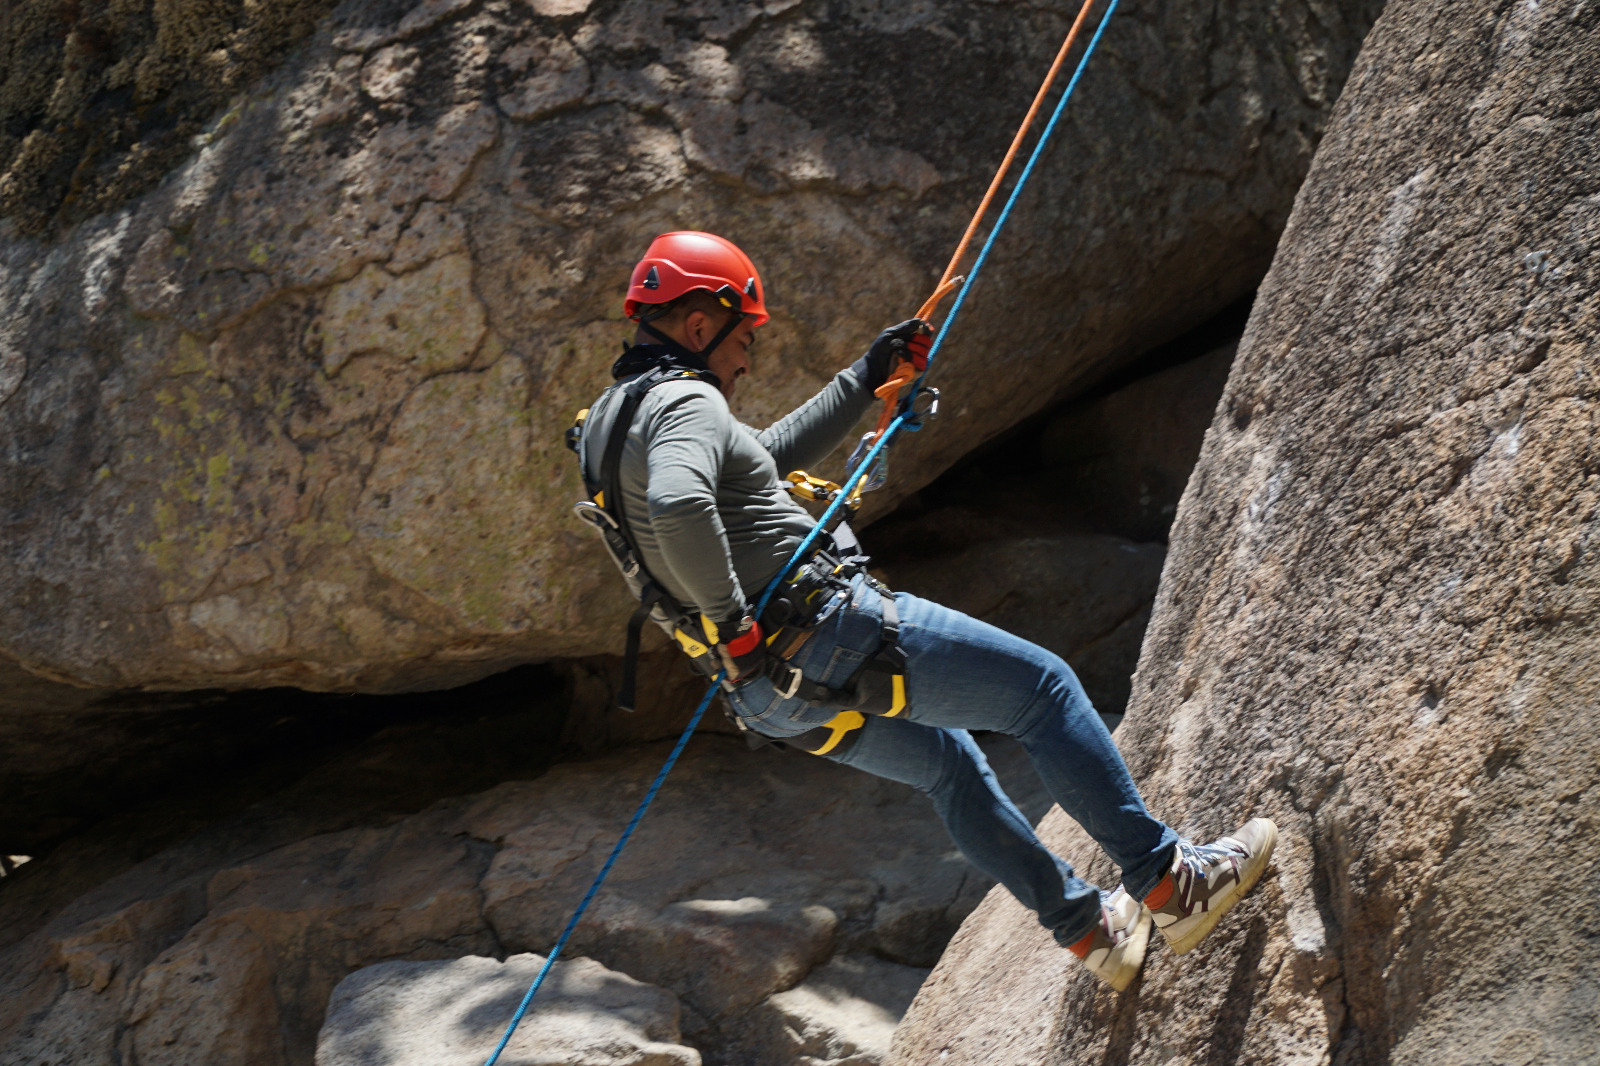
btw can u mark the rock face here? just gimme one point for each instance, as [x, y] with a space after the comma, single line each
[1124, 459]
[762, 888]
[452, 1013]
[1378, 622]
[843, 1015]
[291, 417]
[1087, 598]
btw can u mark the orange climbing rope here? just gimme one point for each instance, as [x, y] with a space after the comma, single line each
[948, 281]
[905, 373]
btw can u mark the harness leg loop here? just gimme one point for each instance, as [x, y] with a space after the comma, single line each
[833, 737]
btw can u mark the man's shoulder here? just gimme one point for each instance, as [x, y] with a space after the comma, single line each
[664, 393]
[688, 393]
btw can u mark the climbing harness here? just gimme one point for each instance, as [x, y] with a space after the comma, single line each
[815, 589]
[904, 416]
[603, 510]
[817, 585]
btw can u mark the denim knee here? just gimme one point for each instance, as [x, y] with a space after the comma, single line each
[1055, 695]
[956, 763]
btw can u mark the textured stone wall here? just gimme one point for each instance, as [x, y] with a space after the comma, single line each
[98, 100]
[1377, 622]
[293, 416]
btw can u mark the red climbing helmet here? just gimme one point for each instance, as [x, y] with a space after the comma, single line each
[686, 260]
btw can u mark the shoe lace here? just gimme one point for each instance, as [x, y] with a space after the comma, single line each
[1198, 857]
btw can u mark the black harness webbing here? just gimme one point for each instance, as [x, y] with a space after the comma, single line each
[860, 692]
[704, 353]
[664, 366]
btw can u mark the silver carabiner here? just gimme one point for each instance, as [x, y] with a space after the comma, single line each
[880, 469]
[594, 514]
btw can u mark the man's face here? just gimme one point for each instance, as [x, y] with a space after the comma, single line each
[730, 361]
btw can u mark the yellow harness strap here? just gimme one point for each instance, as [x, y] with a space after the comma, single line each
[899, 702]
[839, 725]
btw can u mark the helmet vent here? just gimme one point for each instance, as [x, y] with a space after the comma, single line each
[653, 281]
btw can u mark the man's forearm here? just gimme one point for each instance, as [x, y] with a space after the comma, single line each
[805, 436]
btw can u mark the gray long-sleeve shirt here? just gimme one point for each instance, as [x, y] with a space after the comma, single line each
[700, 489]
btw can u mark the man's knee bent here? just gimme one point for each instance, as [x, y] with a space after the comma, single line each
[1059, 692]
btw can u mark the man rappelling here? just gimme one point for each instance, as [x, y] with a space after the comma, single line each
[695, 514]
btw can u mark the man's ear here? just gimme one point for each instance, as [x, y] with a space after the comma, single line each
[694, 330]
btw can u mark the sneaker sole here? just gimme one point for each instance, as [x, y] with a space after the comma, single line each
[1252, 873]
[1132, 952]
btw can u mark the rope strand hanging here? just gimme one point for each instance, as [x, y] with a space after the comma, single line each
[889, 391]
[946, 284]
[948, 281]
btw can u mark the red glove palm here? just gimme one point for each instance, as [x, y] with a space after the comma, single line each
[918, 345]
[910, 340]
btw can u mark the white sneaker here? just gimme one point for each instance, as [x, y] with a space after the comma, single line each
[1206, 880]
[1114, 949]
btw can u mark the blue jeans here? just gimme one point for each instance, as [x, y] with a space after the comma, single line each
[965, 674]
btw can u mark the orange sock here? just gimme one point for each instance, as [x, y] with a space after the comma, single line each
[1160, 894]
[1081, 948]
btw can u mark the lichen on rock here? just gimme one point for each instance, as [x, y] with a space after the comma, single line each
[99, 101]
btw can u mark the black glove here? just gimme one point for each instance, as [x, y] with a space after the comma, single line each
[909, 340]
[739, 644]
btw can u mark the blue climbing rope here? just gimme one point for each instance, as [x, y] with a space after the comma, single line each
[633, 823]
[903, 420]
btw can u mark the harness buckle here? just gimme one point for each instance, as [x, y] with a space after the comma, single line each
[792, 686]
[594, 515]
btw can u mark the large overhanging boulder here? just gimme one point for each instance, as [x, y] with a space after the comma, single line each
[1377, 622]
[293, 415]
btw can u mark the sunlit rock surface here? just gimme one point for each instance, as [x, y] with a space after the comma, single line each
[1378, 621]
[454, 1012]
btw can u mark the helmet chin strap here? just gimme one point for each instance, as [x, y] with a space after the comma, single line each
[704, 353]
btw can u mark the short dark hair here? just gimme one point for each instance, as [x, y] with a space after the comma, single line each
[679, 309]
